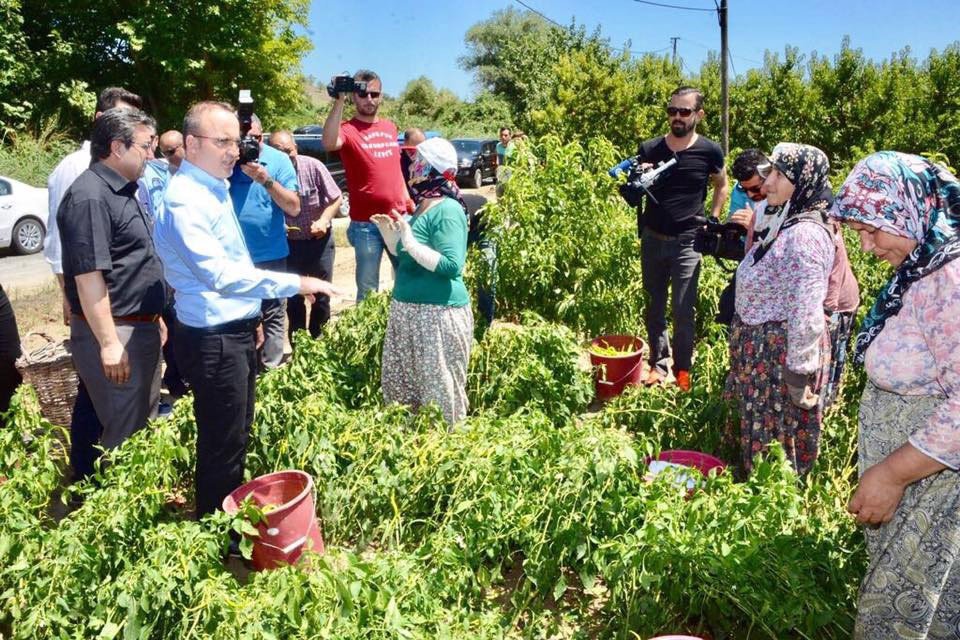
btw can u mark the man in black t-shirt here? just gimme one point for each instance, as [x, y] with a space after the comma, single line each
[668, 225]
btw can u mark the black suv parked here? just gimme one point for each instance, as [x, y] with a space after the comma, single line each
[476, 161]
[309, 141]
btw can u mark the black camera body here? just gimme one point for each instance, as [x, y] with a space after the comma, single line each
[345, 84]
[249, 146]
[721, 240]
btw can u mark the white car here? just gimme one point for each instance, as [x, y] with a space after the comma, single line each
[23, 216]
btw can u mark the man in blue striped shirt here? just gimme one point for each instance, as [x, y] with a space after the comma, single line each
[218, 294]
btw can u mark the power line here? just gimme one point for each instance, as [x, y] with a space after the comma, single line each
[674, 6]
[554, 22]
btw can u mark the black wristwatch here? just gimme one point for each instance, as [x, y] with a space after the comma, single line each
[268, 183]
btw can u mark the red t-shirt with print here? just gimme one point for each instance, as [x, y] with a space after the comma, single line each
[371, 160]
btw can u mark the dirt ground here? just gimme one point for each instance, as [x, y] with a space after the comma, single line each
[36, 298]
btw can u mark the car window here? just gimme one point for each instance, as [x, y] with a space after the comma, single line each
[5, 189]
[468, 146]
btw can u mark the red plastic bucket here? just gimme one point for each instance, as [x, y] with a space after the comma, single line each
[616, 372]
[291, 527]
[702, 462]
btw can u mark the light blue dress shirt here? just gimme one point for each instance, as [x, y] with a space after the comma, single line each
[204, 256]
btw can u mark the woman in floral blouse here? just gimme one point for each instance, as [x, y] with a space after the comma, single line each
[907, 212]
[779, 345]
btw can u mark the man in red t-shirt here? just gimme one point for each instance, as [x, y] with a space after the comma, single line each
[371, 159]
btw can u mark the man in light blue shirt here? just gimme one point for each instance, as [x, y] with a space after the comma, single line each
[218, 294]
[263, 194]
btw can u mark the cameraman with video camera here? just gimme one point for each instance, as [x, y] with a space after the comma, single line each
[263, 188]
[371, 159]
[667, 227]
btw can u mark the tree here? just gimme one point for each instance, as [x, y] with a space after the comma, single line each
[18, 73]
[172, 53]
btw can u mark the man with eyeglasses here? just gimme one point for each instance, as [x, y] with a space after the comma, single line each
[310, 235]
[668, 226]
[264, 193]
[85, 428]
[218, 297]
[113, 278]
[171, 148]
[371, 160]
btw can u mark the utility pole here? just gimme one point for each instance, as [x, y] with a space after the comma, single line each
[673, 41]
[724, 80]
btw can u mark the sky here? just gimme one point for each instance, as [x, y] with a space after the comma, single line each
[404, 40]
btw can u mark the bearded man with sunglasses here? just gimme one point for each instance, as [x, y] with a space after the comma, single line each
[668, 225]
[371, 160]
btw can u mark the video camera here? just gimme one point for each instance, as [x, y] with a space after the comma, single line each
[345, 84]
[720, 240]
[639, 181]
[249, 146]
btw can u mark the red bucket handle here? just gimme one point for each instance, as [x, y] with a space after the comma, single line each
[627, 375]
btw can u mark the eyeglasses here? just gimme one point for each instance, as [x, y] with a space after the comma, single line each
[146, 146]
[222, 143]
[258, 137]
[166, 153]
[682, 111]
[364, 94]
[763, 169]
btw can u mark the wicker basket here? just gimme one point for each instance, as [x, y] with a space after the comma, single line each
[50, 370]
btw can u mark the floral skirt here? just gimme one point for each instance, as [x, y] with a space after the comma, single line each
[912, 586]
[425, 356]
[758, 355]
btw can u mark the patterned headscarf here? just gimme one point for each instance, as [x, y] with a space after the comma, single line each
[426, 182]
[910, 197]
[807, 168]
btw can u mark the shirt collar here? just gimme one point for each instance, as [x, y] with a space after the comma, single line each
[217, 185]
[113, 179]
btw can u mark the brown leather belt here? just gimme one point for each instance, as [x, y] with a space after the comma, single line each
[136, 317]
[658, 235]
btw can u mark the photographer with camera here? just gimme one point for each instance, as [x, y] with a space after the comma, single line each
[264, 191]
[371, 159]
[668, 225]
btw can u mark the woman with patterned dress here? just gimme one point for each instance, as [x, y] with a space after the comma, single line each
[907, 212]
[430, 325]
[779, 345]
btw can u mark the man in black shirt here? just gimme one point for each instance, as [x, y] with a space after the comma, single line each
[667, 255]
[113, 279]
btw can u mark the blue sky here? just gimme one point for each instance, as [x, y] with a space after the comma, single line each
[403, 40]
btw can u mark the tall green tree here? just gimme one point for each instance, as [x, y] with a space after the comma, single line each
[172, 53]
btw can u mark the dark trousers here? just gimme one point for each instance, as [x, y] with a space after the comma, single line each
[670, 263]
[221, 367]
[273, 311]
[9, 352]
[85, 431]
[172, 379]
[310, 258]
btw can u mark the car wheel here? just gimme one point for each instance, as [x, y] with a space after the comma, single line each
[27, 236]
[477, 180]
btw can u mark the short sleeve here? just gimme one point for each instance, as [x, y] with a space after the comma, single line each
[85, 233]
[716, 159]
[285, 174]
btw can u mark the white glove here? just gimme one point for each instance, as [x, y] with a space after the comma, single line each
[421, 253]
[389, 230]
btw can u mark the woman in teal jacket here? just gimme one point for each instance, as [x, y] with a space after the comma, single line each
[430, 326]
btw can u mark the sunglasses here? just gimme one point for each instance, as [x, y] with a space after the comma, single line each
[681, 111]
[756, 189]
[763, 169]
[364, 94]
[169, 152]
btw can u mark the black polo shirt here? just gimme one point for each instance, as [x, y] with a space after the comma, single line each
[103, 228]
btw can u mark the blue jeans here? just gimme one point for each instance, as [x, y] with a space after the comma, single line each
[368, 246]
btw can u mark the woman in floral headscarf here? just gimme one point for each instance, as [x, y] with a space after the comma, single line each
[907, 212]
[779, 346]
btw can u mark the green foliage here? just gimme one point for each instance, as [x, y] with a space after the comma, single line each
[566, 243]
[31, 156]
[171, 53]
[535, 365]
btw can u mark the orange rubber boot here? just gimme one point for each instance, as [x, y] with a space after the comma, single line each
[683, 380]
